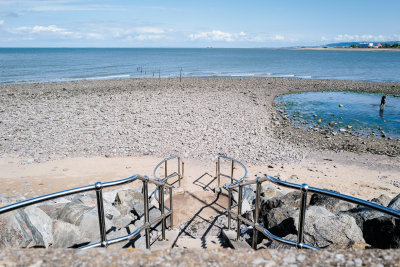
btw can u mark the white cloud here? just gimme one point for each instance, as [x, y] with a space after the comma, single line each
[51, 29]
[152, 30]
[1, 22]
[217, 35]
[145, 37]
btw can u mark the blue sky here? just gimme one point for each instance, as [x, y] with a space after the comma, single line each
[218, 23]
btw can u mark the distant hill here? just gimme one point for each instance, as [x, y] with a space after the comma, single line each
[347, 44]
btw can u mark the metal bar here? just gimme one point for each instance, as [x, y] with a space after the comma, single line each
[64, 193]
[351, 199]
[239, 212]
[303, 208]
[146, 212]
[249, 182]
[171, 217]
[228, 176]
[256, 213]
[229, 208]
[179, 171]
[232, 167]
[163, 224]
[100, 213]
[183, 172]
[219, 171]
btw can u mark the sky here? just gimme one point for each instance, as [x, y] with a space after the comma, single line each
[205, 23]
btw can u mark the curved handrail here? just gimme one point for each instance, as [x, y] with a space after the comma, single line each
[236, 181]
[98, 187]
[304, 188]
[166, 177]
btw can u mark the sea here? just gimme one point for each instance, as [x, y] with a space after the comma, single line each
[44, 65]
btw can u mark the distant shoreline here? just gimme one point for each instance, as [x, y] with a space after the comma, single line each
[349, 49]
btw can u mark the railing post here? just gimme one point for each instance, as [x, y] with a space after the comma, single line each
[179, 171]
[171, 217]
[256, 213]
[229, 208]
[163, 224]
[233, 166]
[218, 170]
[303, 207]
[146, 212]
[100, 212]
[183, 172]
[239, 211]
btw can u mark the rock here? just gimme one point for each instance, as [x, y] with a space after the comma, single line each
[382, 200]
[382, 232]
[319, 121]
[89, 226]
[342, 130]
[67, 235]
[325, 229]
[73, 213]
[340, 105]
[291, 199]
[91, 201]
[18, 231]
[362, 214]
[42, 222]
[52, 210]
[334, 205]
[395, 203]
[331, 124]
[127, 201]
[280, 221]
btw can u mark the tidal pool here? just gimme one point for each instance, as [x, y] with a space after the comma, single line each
[339, 110]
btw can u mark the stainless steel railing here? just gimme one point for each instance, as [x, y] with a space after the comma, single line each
[180, 173]
[98, 187]
[304, 188]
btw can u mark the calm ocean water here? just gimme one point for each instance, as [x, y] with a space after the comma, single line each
[29, 65]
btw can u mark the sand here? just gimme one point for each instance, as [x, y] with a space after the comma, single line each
[60, 136]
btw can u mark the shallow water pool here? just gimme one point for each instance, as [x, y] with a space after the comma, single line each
[360, 111]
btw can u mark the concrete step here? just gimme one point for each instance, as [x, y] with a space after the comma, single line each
[170, 238]
[230, 237]
[208, 242]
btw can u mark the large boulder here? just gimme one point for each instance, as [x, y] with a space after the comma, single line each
[90, 200]
[73, 213]
[280, 221]
[291, 199]
[382, 200]
[89, 226]
[53, 210]
[129, 201]
[42, 222]
[395, 203]
[17, 231]
[67, 235]
[325, 229]
[334, 205]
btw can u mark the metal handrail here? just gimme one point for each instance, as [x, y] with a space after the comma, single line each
[181, 166]
[98, 187]
[304, 188]
[234, 181]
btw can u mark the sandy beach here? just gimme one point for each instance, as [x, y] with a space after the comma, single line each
[61, 135]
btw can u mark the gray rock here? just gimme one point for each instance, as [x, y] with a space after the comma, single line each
[325, 229]
[383, 200]
[334, 205]
[67, 235]
[42, 222]
[280, 221]
[395, 203]
[89, 225]
[18, 231]
[53, 210]
[127, 201]
[291, 199]
[72, 213]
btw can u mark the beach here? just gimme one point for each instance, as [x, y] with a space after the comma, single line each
[56, 136]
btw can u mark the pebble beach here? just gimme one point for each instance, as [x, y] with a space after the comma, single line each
[196, 118]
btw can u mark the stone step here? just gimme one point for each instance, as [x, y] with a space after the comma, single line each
[170, 238]
[208, 242]
[230, 237]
